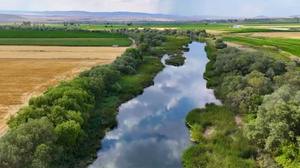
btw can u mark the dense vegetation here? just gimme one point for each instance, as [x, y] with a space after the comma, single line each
[263, 89]
[62, 128]
[152, 38]
[220, 142]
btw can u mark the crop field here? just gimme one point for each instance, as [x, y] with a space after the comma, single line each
[285, 44]
[55, 34]
[61, 38]
[66, 41]
[27, 71]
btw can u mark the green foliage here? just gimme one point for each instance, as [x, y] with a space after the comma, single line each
[220, 44]
[195, 157]
[144, 48]
[226, 146]
[288, 154]
[25, 145]
[267, 87]
[175, 60]
[68, 133]
[277, 118]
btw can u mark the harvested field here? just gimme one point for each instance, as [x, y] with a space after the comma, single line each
[292, 35]
[54, 52]
[40, 68]
[216, 31]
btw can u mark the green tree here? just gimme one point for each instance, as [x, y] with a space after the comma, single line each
[20, 145]
[68, 133]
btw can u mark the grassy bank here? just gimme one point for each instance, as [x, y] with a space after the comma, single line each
[104, 116]
[220, 142]
[132, 85]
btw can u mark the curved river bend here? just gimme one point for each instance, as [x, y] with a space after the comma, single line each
[151, 132]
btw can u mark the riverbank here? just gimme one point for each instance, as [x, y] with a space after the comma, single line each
[132, 85]
[220, 143]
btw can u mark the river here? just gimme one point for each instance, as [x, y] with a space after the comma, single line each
[151, 130]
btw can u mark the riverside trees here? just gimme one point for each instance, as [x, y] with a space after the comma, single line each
[266, 88]
[52, 125]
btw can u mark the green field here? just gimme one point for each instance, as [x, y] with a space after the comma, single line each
[55, 34]
[285, 44]
[61, 38]
[66, 41]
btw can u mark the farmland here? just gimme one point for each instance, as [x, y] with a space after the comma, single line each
[42, 60]
[66, 41]
[288, 45]
[27, 71]
[61, 38]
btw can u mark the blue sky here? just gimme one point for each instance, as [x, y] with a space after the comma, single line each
[236, 8]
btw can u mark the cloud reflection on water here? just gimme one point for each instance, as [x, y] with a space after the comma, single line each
[151, 130]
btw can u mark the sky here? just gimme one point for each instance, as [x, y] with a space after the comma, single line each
[236, 8]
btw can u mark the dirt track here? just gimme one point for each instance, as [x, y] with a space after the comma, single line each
[27, 71]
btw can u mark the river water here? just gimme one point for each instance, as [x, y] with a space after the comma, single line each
[151, 130]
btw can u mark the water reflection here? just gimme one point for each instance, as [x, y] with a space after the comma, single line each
[151, 132]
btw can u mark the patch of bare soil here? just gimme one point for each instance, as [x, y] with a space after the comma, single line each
[209, 132]
[239, 122]
[239, 46]
[215, 31]
[292, 35]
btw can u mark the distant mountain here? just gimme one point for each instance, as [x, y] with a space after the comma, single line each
[83, 16]
[295, 16]
[261, 16]
[8, 18]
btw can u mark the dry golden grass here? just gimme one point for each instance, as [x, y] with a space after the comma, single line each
[292, 35]
[216, 31]
[27, 71]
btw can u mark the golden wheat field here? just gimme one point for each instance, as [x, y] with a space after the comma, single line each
[27, 71]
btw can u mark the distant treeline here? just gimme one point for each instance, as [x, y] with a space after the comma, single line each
[45, 28]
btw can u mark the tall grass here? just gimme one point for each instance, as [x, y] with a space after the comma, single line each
[226, 147]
